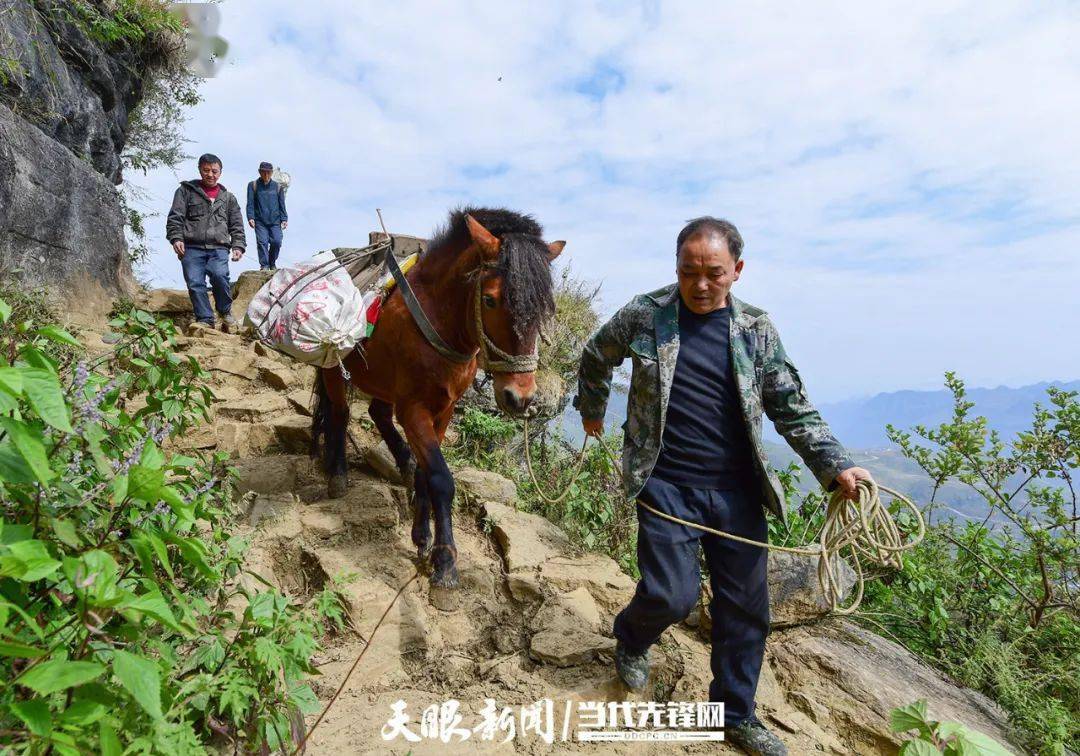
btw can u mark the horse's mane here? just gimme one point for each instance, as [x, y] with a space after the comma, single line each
[523, 260]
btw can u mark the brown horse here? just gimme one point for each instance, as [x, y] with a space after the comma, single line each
[484, 284]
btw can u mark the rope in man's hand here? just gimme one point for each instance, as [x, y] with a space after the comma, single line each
[864, 526]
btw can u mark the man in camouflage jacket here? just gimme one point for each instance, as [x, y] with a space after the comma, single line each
[746, 373]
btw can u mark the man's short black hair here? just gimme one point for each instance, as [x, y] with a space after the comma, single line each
[707, 224]
[209, 158]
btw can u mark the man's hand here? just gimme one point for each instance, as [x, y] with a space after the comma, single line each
[593, 427]
[237, 253]
[284, 225]
[847, 481]
[178, 248]
[251, 222]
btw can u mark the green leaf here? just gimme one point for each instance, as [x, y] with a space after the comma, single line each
[59, 674]
[20, 650]
[43, 391]
[144, 483]
[162, 553]
[35, 714]
[108, 743]
[65, 531]
[93, 577]
[141, 678]
[83, 712]
[27, 561]
[5, 311]
[918, 748]
[13, 467]
[153, 605]
[30, 447]
[94, 436]
[910, 717]
[180, 508]
[58, 335]
[11, 381]
[978, 744]
[152, 456]
[172, 408]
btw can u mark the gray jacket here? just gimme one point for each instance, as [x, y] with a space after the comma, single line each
[197, 222]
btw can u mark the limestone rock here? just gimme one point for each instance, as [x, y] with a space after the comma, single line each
[300, 400]
[379, 459]
[268, 507]
[567, 628]
[794, 591]
[167, 301]
[322, 524]
[369, 504]
[244, 439]
[483, 486]
[526, 540]
[858, 678]
[253, 409]
[611, 587]
[293, 432]
[246, 285]
[235, 363]
[266, 475]
[277, 376]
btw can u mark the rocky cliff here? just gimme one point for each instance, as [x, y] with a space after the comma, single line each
[66, 98]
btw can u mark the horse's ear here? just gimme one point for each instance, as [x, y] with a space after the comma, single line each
[555, 249]
[488, 244]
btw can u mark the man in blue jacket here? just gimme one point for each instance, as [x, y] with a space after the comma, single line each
[267, 215]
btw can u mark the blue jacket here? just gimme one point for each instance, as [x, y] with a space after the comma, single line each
[266, 202]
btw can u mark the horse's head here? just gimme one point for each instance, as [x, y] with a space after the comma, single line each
[515, 297]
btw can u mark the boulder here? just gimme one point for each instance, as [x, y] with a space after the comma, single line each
[379, 459]
[857, 678]
[566, 630]
[483, 486]
[167, 301]
[244, 439]
[277, 376]
[322, 524]
[526, 540]
[599, 575]
[795, 594]
[245, 287]
[293, 433]
[300, 400]
[268, 507]
[253, 409]
[266, 475]
[239, 363]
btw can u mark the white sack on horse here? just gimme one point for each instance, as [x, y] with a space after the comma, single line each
[313, 312]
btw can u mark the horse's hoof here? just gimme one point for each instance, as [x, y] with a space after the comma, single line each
[445, 599]
[423, 551]
[444, 577]
[338, 486]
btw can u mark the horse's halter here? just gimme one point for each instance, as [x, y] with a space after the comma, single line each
[505, 362]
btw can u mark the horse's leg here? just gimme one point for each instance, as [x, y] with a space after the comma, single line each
[419, 425]
[331, 420]
[382, 413]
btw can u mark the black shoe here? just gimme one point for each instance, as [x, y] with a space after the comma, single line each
[633, 668]
[755, 738]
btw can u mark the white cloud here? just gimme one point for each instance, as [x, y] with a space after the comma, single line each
[906, 179]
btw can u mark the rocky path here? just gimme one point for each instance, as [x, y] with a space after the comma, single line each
[532, 617]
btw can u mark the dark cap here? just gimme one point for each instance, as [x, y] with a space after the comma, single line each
[265, 166]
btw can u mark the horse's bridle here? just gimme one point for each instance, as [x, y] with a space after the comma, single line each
[504, 362]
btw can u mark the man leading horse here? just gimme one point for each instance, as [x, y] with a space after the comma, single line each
[705, 367]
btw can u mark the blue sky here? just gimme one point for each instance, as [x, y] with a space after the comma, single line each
[907, 181]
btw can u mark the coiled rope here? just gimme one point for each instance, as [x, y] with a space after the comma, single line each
[864, 527]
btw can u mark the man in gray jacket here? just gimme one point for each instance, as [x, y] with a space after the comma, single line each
[203, 224]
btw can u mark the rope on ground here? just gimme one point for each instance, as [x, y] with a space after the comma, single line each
[356, 662]
[864, 527]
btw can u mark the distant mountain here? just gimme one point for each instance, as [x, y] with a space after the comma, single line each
[860, 423]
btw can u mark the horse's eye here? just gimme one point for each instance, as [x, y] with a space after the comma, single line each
[489, 301]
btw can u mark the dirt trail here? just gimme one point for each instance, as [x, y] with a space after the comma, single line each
[532, 617]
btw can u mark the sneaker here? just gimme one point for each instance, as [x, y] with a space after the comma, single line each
[755, 738]
[633, 668]
[229, 324]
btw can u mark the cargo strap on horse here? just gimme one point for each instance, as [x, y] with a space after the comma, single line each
[865, 527]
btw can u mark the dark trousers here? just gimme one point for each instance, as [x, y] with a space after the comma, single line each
[200, 263]
[268, 240]
[671, 581]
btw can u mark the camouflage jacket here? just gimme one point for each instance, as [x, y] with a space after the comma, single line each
[647, 331]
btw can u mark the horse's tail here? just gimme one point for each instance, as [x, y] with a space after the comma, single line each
[320, 413]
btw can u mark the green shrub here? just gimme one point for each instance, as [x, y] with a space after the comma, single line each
[125, 624]
[933, 737]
